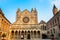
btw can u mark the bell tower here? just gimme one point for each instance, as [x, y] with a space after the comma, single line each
[55, 10]
[34, 13]
[18, 13]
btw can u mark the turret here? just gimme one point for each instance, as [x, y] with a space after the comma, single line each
[34, 14]
[34, 10]
[18, 13]
[55, 10]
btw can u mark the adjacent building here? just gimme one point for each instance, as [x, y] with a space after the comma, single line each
[53, 25]
[4, 27]
[43, 29]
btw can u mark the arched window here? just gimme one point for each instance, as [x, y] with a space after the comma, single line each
[53, 30]
[55, 20]
[59, 27]
[42, 27]
[47, 32]
[58, 19]
[28, 31]
[45, 28]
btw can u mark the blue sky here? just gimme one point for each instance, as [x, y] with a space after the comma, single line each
[44, 8]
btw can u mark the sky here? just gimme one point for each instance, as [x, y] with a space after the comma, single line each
[44, 8]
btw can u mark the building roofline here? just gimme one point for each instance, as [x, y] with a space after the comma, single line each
[53, 16]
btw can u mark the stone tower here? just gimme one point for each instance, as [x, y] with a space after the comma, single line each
[55, 10]
[18, 14]
[34, 13]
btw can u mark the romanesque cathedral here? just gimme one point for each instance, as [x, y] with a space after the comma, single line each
[26, 26]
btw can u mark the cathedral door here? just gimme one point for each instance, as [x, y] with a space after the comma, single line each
[22, 36]
[28, 36]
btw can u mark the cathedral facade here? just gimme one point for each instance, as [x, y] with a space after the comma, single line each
[25, 26]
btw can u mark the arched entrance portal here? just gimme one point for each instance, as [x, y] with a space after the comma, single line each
[44, 36]
[28, 35]
[22, 35]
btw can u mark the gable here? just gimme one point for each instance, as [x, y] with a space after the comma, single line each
[26, 13]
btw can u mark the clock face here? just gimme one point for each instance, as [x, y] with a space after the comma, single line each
[25, 19]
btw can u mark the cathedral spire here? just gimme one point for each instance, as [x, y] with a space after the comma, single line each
[54, 6]
[55, 10]
[18, 10]
[33, 10]
[18, 13]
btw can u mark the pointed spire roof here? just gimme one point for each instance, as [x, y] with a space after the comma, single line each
[18, 10]
[55, 10]
[54, 6]
[33, 10]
